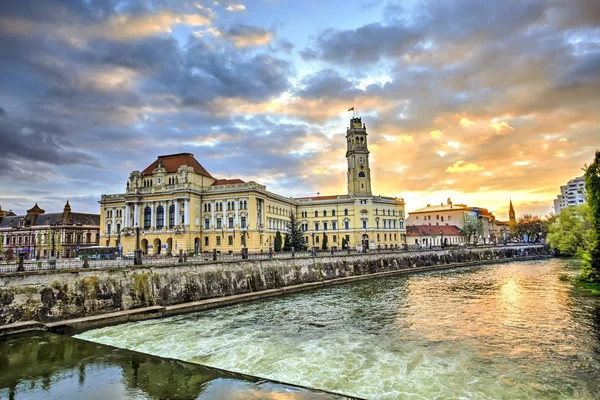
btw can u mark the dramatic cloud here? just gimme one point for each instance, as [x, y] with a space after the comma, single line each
[504, 94]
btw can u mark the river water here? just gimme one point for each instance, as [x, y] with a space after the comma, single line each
[508, 331]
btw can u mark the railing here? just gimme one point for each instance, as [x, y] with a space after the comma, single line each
[209, 257]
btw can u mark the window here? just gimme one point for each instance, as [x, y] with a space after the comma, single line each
[316, 226]
[348, 239]
[147, 217]
[334, 225]
[108, 228]
[243, 222]
[206, 223]
[376, 212]
[385, 236]
[333, 213]
[361, 174]
[205, 240]
[345, 211]
[230, 240]
[218, 223]
[316, 239]
[324, 213]
[334, 238]
[364, 224]
[324, 226]
[401, 222]
[378, 237]
[218, 240]
[230, 223]
[160, 217]
[346, 224]
[316, 213]
[88, 237]
[171, 216]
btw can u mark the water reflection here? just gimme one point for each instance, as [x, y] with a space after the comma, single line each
[501, 332]
[49, 366]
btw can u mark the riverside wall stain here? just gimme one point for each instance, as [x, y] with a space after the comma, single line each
[55, 295]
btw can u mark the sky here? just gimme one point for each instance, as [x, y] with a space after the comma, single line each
[477, 101]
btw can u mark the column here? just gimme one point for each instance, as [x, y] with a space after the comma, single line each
[177, 221]
[136, 215]
[213, 205]
[127, 216]
[236, 207]
[152, 224]
[186, 216]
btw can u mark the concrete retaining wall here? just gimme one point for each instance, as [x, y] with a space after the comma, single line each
[49, 296]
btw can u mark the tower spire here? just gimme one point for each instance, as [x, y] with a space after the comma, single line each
[511, 212]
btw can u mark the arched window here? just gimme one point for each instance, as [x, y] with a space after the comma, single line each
[345, 211]
[324, 213]
[346, 224]
[316, 213]
[160, 217]
[361, 174]
[171, 216]
[147, 217]
[333, 213]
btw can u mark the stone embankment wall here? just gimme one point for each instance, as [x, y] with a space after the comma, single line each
[57, 295]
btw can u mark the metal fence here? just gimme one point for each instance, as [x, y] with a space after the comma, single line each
[209, 257]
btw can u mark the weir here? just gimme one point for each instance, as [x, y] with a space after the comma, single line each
[70, 301]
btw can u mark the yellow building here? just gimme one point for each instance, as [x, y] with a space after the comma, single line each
[177, 205]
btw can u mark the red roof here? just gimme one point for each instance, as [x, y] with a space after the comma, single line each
[172, 162]
[227, 181]
[431, 230]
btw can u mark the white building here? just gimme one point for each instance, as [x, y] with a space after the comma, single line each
[571, 194]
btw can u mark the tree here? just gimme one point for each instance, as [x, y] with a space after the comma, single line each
[591, 257]
[296, 238]
[1, 244]
[278, 241]
[471, 227]
[344, 243]
[324, 245]
[9, 254]
[530, 228]
[570, 233]
[286, 243]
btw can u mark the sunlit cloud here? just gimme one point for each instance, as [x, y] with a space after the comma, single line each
[435, 134]
[522, 163]
[463, 166]
[466, 122]
[236, 7]
[501, 127]
[560, 153]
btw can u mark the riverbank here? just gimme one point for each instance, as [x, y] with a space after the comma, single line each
[74, 301]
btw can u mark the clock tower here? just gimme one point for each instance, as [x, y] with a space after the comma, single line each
[357, 154]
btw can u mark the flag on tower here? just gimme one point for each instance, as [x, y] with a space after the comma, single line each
[351, 109]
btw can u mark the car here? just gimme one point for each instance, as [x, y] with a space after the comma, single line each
[129, 256]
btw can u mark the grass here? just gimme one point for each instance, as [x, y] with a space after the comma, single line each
[592, 287]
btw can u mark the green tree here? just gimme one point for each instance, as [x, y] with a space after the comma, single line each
[570, 233]
[1, 243]
[296, 238]
[470, 228]
[530, 228]
[591, 256]
[278, 242]
[324, 245]
[286, 243]
[344, 243]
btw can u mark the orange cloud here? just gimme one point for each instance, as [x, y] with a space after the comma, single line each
[463, 166]
[435, 134]
[501, 127]
[466, 122]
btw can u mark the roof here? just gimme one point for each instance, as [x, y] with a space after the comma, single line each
[442, 207]
[35, 210]
[172, 162]
[227, 182]
[331, 197]
[53, 219]
[432, 230]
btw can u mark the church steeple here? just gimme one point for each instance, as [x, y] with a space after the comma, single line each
[357, 154]
[511, 212]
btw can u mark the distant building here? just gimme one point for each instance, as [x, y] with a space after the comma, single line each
[571, 194]
[457, 215]
[42, 235]
[434, 235]
[8, 213]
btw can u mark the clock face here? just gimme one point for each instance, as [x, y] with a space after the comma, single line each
[361, 160]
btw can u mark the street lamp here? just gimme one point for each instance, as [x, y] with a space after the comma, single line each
[441, 239]
[137, 259]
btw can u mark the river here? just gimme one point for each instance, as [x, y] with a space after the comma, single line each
[507, 331]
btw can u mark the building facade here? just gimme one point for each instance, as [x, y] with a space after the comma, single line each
[41, 235]
[434, 235]
[571, 194]
[457, 215]
[178, 205]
